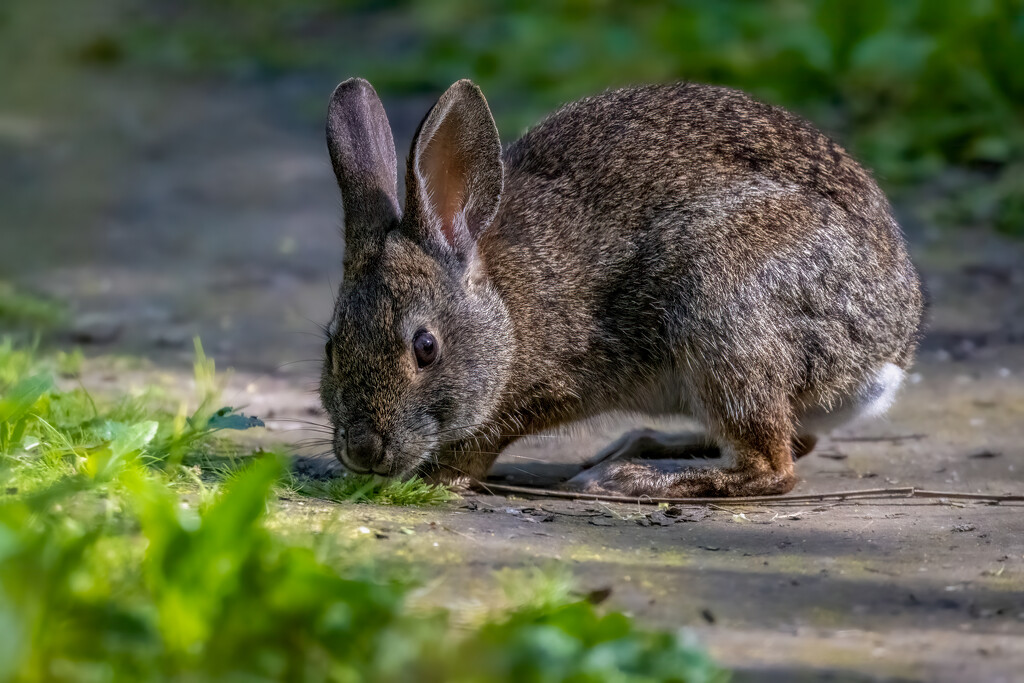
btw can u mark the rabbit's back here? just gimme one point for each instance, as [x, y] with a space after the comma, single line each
[704, 136]
[650, 228]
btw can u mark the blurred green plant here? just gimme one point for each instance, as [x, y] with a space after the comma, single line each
[112, 570]
[214, 595]
[914, 88]
[19, 311]
[47, 433]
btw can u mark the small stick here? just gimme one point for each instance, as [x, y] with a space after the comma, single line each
[528, 490]
[907, 492]
[899, 437]
[1009, 498]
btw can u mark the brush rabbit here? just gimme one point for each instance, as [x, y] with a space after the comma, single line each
[669, 249]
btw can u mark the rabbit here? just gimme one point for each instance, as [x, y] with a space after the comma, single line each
[677, 249]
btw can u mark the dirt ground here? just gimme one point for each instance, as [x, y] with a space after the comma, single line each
[161, 211]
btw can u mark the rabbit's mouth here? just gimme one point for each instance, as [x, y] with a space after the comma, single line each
[391, 463]
[399, 465]
[408, 464]
[389, 466]
[352, 468]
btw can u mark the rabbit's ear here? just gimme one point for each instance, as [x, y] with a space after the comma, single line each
[363, 155]
[454, 179]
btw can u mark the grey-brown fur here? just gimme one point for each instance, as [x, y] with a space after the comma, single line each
[665, 249]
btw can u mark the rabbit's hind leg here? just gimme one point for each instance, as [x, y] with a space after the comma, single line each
[652, 464]
[650, 444]
[764, 445]
[636, 451]
[763, 465]
[757, 444]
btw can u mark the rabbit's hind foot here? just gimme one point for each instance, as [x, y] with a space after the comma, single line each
[649, 463]
[650, 444]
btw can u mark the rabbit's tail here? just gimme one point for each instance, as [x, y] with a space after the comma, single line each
[871, 399]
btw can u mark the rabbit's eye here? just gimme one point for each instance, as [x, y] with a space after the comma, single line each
[425, 347]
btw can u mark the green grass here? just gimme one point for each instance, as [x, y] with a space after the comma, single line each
[130, 550]
[350, 488]
[370, 489]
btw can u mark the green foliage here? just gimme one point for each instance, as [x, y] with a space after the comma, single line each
[23, 311]
[47, 431]
[113, 569]
[15, 407]
[572, 642]
[914, 87]
[15, 362]
[370, 489]
[214, 595]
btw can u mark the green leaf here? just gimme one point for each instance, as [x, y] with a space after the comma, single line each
[22, 396]
[133, 438]
[103, 463]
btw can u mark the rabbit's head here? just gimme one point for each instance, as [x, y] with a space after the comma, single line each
[419, 346]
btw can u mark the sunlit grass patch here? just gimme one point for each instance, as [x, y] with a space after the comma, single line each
[370, 489]
[352, 488]
[47, 432]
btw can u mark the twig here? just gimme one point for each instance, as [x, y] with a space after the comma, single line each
[860, 494]
[723, 509]
[898, 437]
[1009, 498]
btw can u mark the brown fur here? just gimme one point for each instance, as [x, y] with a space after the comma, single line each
[664, 249]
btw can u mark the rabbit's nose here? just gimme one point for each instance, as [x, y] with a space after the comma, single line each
[364, 450]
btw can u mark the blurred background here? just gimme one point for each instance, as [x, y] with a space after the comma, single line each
[163, 170]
